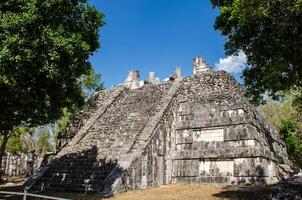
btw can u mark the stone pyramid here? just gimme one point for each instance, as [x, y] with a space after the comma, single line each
[199, 129]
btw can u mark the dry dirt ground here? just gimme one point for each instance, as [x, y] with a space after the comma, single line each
[195, 192]
[176, 192]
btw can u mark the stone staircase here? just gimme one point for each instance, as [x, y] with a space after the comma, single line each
[85, 119]
[76, 173]
[114, 130]
[140, 143]
[80, 172]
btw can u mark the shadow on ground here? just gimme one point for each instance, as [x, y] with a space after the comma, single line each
[246, 192]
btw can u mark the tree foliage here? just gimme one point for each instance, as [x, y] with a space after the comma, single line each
[44, 142]
[292, 140]
[288, 120]
[24, 140]
[91, 83]
[278, 111]
[270, 34]
[41, 139]
[62, 123]
[287, 127]
[14, 143]
[44, 50]
[45, 46]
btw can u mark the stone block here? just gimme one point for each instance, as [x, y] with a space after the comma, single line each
[185, 168]
[251, 167]
[184, 136]
[216, 168]
[233, 112]
[208, 135]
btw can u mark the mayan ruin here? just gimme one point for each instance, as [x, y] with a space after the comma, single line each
[195, 129]
[151, 100]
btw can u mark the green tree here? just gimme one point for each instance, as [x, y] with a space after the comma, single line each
[292, 140]
[288, 127]
[15, 142]
[288, 120]
[278, 111]
[91, 83]
[43, 143]
[44, 50]
[39, 139]
[270, 34]
[62, 123]
[23, 140]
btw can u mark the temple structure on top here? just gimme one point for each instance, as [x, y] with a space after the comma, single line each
[199, 128]
[200, 66]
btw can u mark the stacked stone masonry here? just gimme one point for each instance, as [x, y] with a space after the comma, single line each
[198, 129]
[18, 164]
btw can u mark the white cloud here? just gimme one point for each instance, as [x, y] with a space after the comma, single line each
[232, 64]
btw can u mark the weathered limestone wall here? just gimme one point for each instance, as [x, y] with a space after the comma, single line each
[16, 164]
[219, 138]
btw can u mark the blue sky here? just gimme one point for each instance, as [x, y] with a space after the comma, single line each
[155, 35]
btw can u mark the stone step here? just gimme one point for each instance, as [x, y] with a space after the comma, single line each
[71, 166]
[65, 162]
[81, 159]
[74, 176]
[91, 165]
[86, 156]
[77, 172]
[66, 169]
[78, 180]
[67, 187]
[82, 171]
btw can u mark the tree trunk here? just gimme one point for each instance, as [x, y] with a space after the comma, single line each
[2, 149]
